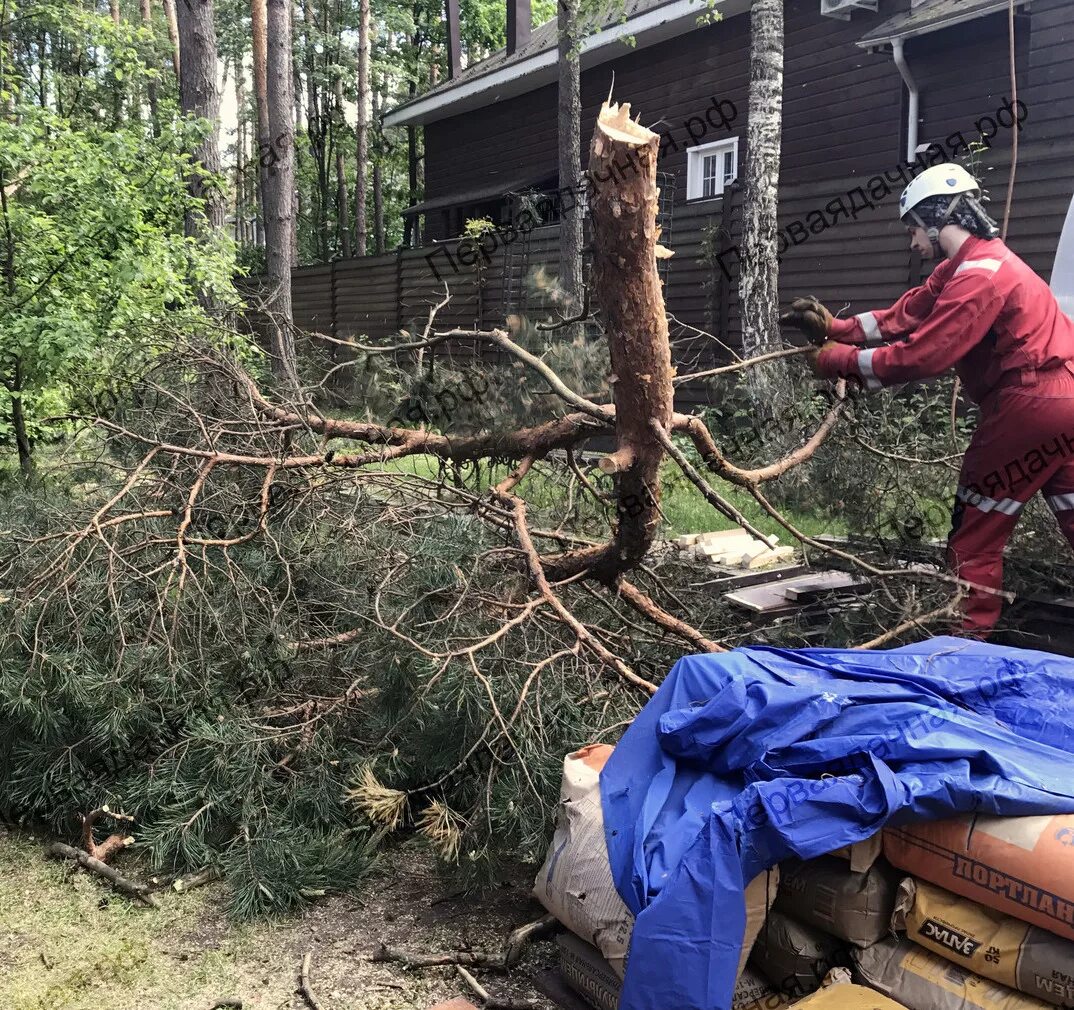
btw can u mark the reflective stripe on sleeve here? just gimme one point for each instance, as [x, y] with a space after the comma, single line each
[870, 328]
[1061, 502]
[989, 265]
[865, 366]
[1007, 506]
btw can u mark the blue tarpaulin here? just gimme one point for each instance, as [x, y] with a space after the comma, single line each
[743, 759]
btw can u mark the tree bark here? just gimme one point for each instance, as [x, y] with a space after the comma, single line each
[114, 82]
[173, 34]
[199, 96]
[342, 197]
[259, 57]
[360, 229]
[625, 251]
[570, 158]
[279, 185]
[759, 278]
[378, 182]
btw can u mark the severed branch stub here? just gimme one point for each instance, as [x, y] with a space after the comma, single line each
[116, 842]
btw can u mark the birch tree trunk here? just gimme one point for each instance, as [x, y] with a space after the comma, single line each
[279, 187]
[570, 158]
[759, 276]
[199, 96]
[360, 227]
[259, 54]
[241, 166]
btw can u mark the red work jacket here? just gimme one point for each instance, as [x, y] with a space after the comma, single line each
[983, 311]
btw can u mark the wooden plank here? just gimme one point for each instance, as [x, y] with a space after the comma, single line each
[770, 597]
[828, 582]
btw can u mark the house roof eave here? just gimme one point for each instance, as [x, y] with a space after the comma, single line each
[917, 23]
[514, 78]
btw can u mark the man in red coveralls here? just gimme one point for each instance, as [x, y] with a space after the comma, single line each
[986, 313]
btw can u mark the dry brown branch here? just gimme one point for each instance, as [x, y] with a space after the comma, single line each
[514, 948]
[645, 605]
[948, 612]
[136, 892]
[537, 573]
[114, 843]
[738, 366]
[304, 983]
[722, 467]
[491, 1003]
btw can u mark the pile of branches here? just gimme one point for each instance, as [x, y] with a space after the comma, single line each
[272, 636]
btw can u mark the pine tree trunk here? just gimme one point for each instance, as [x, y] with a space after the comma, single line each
[279, 186]
[151, 84]
[759, 278]
[342, 197]
[200, 96]
[259, 53]
[360, 228]
[173, 33]
[315, 134]
[570, 158]
[378, 183]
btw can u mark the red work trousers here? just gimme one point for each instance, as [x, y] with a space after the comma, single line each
[1026, 441]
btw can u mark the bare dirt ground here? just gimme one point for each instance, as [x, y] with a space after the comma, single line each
[67, 942]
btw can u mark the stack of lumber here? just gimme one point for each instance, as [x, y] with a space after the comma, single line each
[734, 549]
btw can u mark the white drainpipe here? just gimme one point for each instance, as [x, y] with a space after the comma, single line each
[915, 98]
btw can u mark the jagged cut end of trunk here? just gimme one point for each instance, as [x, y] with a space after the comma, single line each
[614, 122]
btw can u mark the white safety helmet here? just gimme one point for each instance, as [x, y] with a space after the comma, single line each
[951, 181]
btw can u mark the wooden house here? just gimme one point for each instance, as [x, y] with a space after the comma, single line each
[868, 85]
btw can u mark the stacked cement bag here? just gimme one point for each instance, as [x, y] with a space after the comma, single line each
[987, 942]
[575, 884]
[1010, 949]
[1017, 865]
[824, 908]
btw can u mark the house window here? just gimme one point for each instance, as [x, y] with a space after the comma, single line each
[710, 168]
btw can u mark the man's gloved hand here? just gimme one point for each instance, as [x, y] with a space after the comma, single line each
[809, 316]
[814, 358]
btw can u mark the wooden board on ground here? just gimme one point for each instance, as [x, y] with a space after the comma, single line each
[771, 597]
[808, 590]
[728, 579]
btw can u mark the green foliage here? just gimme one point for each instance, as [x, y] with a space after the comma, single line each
[95, 263]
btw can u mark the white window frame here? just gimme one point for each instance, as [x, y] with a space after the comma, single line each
[695, 168]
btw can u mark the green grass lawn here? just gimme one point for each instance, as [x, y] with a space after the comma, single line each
[685, 509]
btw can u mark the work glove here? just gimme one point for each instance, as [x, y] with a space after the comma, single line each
[809, 316]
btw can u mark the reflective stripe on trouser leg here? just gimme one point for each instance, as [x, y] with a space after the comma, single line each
[1061, 502]
[975, 554]
[1007, 506]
